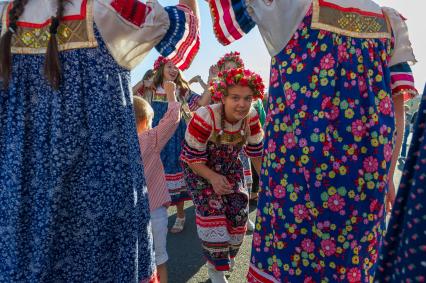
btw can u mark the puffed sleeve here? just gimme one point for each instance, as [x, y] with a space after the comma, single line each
[402, 81]
[197, 135]
[277, 20]
[131, 29]
[231, 20]
[254, 146]
[402, 51]
[192, 100]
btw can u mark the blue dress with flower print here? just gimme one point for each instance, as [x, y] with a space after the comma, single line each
[329, 135]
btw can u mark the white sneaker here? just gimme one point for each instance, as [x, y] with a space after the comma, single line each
[216, 276]
[250, 225]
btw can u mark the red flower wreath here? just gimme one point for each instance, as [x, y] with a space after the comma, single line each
[234, 77]
[160, 61]
[230, 57]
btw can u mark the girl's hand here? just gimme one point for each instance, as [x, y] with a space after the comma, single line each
[213, 72]
[170, 89]
[148, 83]
[220, 184]
[195, 79]
[390, 197]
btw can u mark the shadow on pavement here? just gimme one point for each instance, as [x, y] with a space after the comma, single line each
[184, 249]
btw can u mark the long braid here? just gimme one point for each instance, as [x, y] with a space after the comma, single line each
[222, 123]
[52, 65]
[6, 41]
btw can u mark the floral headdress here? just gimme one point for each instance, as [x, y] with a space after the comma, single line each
[230, 57]
[234, 77]
[160, 61]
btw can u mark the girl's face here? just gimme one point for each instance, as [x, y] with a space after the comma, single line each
[237, 103]
[170, 72]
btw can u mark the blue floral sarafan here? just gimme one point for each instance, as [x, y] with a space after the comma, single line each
[73, 198]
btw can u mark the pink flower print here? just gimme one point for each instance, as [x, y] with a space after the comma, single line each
[327, 62]
[370, 164]
[374, 205]
[271, 146]
[276, 270]
[385, 106]
[256, 239]
[383, 129]
[274, 76]
[308, 245]
[326, 102]
[387, 152]
[358, 128]
[362, 85]
[358, 52]
[333, 113]
[328, 246]
[335, 203]
[342, 53]
[303, 142]
[289, 140]
[290, 97]
[354, 275]
[300, 212]
[279, 191]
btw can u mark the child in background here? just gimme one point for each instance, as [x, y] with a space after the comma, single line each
[152, 141]
[144, 88]
[165, 70]
[213, 171]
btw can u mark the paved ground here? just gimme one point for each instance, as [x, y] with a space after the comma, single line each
[186, 263]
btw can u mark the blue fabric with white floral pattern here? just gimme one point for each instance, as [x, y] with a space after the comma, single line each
[403, 257]
[73, 200]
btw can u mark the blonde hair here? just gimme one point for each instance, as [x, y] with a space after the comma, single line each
[143, 111]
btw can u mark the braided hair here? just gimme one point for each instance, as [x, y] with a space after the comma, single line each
[5, 41]
[52, 66]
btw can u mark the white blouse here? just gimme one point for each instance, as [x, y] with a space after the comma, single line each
[128, 36]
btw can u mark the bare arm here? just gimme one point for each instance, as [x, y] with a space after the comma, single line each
[136, 87]
[399, 123]
[257, 164]
[206, 97]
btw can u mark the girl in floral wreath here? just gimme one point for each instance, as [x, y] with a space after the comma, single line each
[213, 171]
[229, 61]
[144, 87]
[166, 70]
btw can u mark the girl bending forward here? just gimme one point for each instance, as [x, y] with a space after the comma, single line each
[215, 137]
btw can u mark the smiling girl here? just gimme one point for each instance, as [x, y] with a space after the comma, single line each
[166, 70]
[215, 137]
